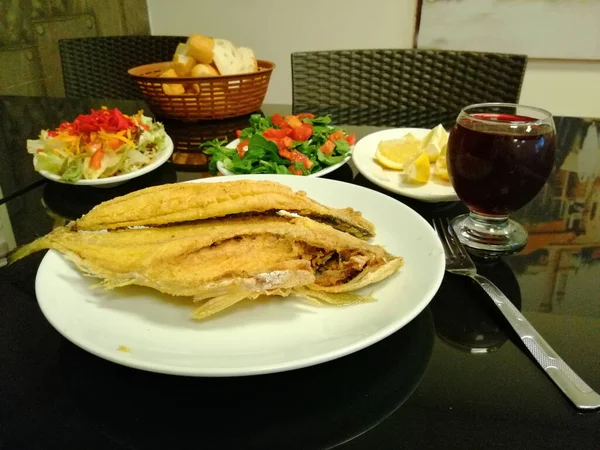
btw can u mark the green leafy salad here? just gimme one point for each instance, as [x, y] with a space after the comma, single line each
[300, 144]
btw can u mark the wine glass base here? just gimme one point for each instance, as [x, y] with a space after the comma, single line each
[489, 238]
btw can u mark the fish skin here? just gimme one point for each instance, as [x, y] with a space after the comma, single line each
[184, 202]
[227, 260]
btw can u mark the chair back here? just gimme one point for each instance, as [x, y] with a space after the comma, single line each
[97, 66]
[362, 83]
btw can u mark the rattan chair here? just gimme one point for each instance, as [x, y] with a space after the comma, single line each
[402, 87]
[97, 67]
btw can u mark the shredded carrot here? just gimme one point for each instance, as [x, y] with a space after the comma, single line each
[76, 142]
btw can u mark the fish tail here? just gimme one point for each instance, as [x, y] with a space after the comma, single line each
[40, 244]
[26, 250]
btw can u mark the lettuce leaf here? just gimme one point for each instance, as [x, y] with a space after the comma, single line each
[74, 169]
[33, 145]
[49, 162]
[329, 160]
[112, 163]
[319, 121]
[342, 147]
[257, 142]
[218, 152]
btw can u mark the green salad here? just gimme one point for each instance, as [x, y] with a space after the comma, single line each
[300, 144]
[101, 144]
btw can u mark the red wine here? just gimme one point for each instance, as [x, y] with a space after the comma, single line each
[495, 168]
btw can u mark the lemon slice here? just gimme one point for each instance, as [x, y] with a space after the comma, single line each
[419, 170]
[440, 165]
[434, 141]
[394, 153]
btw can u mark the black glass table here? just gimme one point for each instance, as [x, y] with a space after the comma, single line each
[454, 377]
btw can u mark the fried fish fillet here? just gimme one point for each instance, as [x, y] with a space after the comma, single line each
[185, 202]
[222, 261]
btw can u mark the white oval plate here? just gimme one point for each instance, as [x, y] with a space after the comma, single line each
[257, 337]
[320, 173]
[161, 158]
[436, 190]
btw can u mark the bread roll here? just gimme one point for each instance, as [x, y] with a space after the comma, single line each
[182, 49]
[249, 63]
[226, 57]
[183, 64]
[191, 89]
[172, 89]
[200, 48]
[203, 70]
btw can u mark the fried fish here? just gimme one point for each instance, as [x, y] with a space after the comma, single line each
[219, 262]
[185, 202]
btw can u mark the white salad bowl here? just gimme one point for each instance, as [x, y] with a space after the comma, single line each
[162, 157]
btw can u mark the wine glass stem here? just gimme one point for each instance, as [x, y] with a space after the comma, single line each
[492, 223]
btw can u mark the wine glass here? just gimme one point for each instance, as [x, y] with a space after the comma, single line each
[499, 157]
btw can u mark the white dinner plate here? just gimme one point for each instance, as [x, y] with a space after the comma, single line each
[320, 173]
[255, 337]
[162, 157]
[436, 190]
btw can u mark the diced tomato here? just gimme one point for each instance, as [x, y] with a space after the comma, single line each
[302, 133]
[327, 148]
[279, 142]
[300, 157]
[296, 156]
[277, 134]
[285, 153]
[242, 148]
[336, 136]
[277, 120]
[96, 159]
[40, 150]
[305, 116]
[52, 133]
[295, 171]
[282, 143]
[293, 121]
[115, 143]
[238, 133]
[351, 139]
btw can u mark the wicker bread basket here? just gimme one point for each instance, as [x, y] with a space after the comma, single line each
[205, 98]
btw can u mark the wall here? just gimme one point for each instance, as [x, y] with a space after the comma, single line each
[565, 88]
[30, 30]
[276, 28]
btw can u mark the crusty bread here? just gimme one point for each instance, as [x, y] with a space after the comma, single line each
[226, 57]
[172, 89]
[191, 89]
[201, 48]
[203, 56]
[183, 64]
[182, 49]
[203, 70]
[249, 63]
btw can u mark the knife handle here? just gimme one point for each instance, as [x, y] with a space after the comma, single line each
[582, 396]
